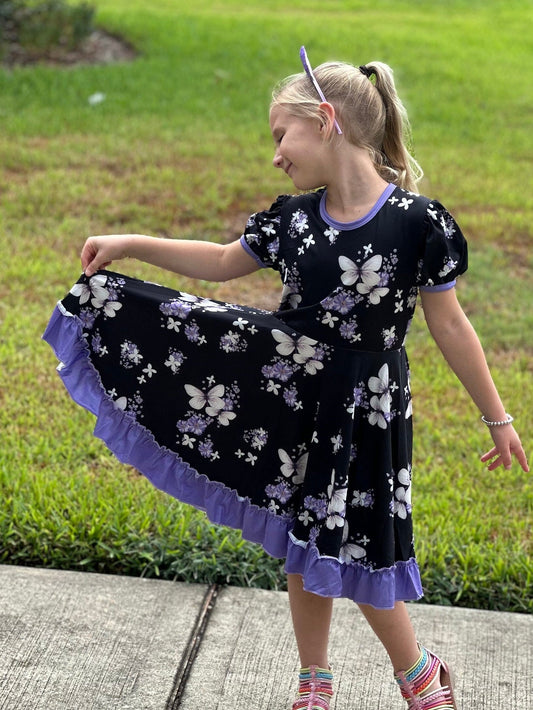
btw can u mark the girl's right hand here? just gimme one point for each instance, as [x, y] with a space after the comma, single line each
[99, 252]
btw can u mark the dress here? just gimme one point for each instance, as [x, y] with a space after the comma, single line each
[293, 426]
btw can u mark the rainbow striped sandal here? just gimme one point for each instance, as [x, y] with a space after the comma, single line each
[315, 689]
[414, 683]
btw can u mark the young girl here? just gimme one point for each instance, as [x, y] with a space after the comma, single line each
[296, 426]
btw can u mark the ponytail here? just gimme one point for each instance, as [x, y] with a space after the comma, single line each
[394, 157]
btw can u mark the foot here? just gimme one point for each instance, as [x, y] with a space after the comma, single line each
[315, 689]
[427, 686]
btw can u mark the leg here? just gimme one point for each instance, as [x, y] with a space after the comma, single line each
[311, 619]
[424, 679]
[394, 629]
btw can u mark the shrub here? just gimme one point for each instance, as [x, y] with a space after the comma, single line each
[38, 27]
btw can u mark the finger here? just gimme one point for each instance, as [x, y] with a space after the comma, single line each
[87, 255]
[522, 459]
[493, 457]
[88, 265]
[505, 457]
[489, 455]
[494, 464]
[95, 266]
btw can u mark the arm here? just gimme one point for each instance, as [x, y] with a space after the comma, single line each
[458, 342]
[195, 259]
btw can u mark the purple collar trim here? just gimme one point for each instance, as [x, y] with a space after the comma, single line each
[346, 226]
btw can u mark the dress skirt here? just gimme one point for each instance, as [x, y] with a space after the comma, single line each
[302, 443]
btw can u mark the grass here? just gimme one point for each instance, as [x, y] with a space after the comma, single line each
[181, 147]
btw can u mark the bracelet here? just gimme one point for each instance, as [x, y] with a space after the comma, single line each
[505, 421]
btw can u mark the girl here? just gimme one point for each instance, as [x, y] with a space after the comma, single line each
[296, 427]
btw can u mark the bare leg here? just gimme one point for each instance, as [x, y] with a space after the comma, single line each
[311, 619]
[394, 629]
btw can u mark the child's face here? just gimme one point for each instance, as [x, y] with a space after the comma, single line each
[300, 148]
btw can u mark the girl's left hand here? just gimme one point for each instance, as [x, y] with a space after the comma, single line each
[506, 444]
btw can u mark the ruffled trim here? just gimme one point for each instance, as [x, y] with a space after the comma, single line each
[328, 577]
[134, 445]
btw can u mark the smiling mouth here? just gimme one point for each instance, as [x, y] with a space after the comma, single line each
[289, 166]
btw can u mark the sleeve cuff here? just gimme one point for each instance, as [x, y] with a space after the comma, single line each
[439, 287]
[251, 252]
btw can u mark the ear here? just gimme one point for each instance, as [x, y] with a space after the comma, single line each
[327, 115]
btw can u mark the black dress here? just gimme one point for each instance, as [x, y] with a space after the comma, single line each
[293, 426]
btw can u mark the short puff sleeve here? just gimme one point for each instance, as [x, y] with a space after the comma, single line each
[445, 252]
[262, 232]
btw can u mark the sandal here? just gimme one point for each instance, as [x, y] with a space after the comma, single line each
[315, 689]
[414, 683]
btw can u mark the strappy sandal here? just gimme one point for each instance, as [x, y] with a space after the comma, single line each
[315, 689]
[415, 682]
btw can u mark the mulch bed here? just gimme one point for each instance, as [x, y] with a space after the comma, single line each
[98, 48]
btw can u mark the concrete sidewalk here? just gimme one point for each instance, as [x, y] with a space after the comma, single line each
[71, 640]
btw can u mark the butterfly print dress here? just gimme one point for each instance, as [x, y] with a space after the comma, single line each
[293, 426]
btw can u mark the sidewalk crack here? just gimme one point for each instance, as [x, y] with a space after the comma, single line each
[191, 650]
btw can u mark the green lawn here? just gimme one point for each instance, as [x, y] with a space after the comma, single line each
[181, 147]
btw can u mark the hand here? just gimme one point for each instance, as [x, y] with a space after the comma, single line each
[99, 252]
[506, 443]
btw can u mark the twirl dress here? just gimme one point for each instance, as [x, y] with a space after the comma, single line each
[294, 426]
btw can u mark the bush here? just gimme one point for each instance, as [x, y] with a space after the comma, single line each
[42, 26]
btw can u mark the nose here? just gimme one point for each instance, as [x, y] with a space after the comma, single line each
[277, 160]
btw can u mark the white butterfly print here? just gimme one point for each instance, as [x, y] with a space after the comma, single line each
[349, 550]
[375, 292]
[188, 298]
[332, 235]
[110, 308]
[367, 272]
[381, 405]
[211, 400]
[121, 403]
[380, 384]
[294, 300]
[404, 477]
[449, 265]
[312, 366]
[337, 504]
[289, 294]
[380, 410]
[225, 417]
[402, 504]
[296, 469]
[94, 288]
[301, 348]
[212, 306]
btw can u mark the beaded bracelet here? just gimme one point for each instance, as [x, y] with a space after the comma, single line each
[505, 421]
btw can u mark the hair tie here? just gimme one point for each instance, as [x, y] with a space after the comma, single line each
[367, 71]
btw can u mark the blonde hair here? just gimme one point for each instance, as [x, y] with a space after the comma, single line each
[370, 113]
